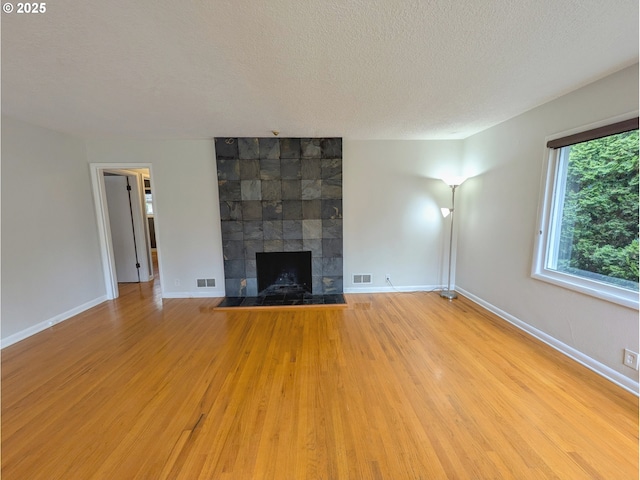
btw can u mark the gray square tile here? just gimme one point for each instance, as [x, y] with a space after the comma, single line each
[252, 287]
[331, 168]
[290, 169]
[289, 148]
[229, 190]
[292, 229]
[252, 210]
[311, 209]
[311, 229]
[316, 266]
[228, 169]
[251, 189]
[232, 249]
[317, 286]
[252, 230]
[291, 190]
[272, 210]
[272, 230]
[292, 245]
[331, 285]
[251, 247]
[234, 268]
[332, 188]
[248, 148]
[331, 247]
[313, 245]
[250, 268]
[231, 211]
[226, 147]
[332, 228]
[271, 190]
[292, 209]
[231, 230]
[274, 245]
[331, 209]
[311, 189]
[332, 267]
[249, 169]
[269, 148]
[331, 147]
[310, 148]
[310, 169]
[270, 169]
[235, 287]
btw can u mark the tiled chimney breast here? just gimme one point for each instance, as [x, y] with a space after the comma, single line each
[280, 195]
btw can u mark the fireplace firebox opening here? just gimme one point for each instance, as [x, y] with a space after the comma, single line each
[283, 273]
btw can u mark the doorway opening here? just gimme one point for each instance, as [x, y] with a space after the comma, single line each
[127, 224]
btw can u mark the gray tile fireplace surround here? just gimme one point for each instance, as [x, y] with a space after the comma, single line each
[280, 195]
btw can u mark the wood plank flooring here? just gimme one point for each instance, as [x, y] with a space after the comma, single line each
[395, 386]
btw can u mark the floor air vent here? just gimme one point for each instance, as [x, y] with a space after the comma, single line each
[362, 278]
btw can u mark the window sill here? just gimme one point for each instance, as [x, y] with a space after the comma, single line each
[610, 293]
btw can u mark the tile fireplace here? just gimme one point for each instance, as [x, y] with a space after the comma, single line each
[280, 195]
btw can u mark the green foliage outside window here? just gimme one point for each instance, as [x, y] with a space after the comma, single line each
[600, 214]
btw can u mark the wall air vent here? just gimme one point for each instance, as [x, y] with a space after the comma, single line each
[359, 278]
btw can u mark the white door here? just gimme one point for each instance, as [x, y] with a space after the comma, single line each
[122, 232]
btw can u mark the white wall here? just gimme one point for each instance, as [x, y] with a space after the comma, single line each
[51, 265]
[498, 213]
[392, 197]
[187, 216]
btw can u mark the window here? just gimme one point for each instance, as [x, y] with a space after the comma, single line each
[148, 197]
[149, 203]
[588, 236]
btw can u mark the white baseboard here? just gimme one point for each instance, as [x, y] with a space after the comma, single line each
[599, 368]
[403, 289]
[27, 332]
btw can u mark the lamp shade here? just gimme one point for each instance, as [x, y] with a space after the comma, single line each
[445, 212]
[453, 180]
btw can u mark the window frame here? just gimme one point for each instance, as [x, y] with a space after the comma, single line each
[548, 232]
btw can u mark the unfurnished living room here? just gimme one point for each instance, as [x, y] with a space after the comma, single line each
[319, 240]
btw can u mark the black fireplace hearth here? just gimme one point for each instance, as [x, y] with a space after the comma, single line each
[289, 299]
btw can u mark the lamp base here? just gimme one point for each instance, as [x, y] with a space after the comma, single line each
[448, 294]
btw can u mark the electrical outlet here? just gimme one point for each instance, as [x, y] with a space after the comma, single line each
[177, 282]
[630, 359]
[387, 277]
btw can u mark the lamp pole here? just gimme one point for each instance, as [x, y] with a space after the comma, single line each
[448, 294]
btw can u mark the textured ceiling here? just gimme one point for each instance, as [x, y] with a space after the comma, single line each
[361, 69]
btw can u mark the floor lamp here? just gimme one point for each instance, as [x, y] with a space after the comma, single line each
[453, 182]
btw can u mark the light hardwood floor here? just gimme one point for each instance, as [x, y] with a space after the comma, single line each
[395, 386]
